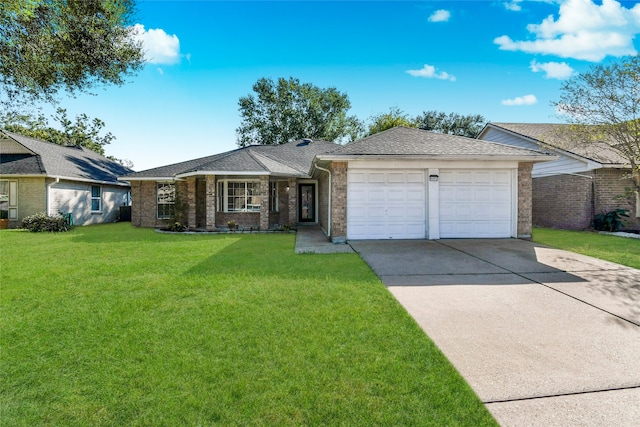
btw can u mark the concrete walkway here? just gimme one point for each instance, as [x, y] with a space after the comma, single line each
[310, 239]
[545, 337]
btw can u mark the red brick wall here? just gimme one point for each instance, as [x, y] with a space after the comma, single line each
[611, 187]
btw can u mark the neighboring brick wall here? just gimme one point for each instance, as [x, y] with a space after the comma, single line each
[338, 201]
[611, 187]
[563, 201]
[32, 198]
[524, 200]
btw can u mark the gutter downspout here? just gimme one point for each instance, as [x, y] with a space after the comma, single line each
[329, 198]
[49, 194]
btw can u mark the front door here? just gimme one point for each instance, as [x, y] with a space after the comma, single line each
[307, 203]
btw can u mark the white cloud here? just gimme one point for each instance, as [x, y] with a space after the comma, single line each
[159, 47]
[513, 5]
[440, 16]
[554, 70]
[160, 71]
[521, 100]
[430, 72]
[583, 30]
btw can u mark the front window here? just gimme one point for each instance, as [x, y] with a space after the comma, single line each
[96, 198]
[273, 196]
[166, 198]
[239, 196]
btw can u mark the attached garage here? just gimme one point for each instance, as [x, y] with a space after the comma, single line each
[406, 183]
[386, 204]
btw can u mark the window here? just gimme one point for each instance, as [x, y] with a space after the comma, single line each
[273, 196]
[239, 196]
[96, 198]
[166, 198]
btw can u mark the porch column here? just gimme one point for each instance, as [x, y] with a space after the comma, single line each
[338, 202]
[210, 202]
[264, 202]
[293, 202]
[191, 202]
[524, 200]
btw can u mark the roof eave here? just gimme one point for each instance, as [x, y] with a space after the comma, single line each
[528, 158]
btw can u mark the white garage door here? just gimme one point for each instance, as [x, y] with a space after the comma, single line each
[475, 203]
[386, 204]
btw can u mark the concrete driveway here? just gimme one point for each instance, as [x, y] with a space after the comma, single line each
[544, 336]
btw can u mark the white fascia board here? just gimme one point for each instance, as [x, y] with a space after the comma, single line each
[530, 158]
[196, 173]
[92, 181]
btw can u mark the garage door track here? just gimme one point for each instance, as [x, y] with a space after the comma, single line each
[544, 336]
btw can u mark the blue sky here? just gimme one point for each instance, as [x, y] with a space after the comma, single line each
[503, 59]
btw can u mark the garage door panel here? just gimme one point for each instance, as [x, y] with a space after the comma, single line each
[387, 204]
[475, 203]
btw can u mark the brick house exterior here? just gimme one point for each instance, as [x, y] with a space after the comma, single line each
[585, 179]
[314, 182]
[38, 176]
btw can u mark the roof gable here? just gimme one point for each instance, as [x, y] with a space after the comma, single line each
[558, 137]
[76, 163]
[404, 141]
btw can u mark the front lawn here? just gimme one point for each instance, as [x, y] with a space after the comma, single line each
[621, 250]
[113, 325]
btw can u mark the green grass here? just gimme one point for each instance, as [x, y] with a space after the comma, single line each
[621, 250]
[112, 325]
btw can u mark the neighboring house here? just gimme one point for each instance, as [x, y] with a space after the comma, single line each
[402, 183]
[38, 176]
[587, 179]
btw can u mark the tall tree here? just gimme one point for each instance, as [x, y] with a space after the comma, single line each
[452, 123]
[288, 110]
[84, 131]
[603, 104]
[395, 117]
[74, 45]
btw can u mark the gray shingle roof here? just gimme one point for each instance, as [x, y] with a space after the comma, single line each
[560, 136]
[403, 141]
[60, 161]
[291, 159]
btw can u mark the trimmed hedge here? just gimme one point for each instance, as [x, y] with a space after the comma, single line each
[42, 222]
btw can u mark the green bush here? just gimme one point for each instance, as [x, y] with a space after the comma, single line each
[42, 222]
[609, 221]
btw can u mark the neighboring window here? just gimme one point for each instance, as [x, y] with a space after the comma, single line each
[273, 196]
[96, 198]
[8, 199]
[239, 196]
[166, 198]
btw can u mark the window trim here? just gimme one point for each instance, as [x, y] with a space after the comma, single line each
[165, 204]
[97, 198]
[222, 201]
[12, 199]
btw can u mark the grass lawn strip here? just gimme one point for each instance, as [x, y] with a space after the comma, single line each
[113, 325]
[620, 250]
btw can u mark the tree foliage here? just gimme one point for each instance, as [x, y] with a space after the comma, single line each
[395, 117]
[51, 45]
[452, 123]
[84, 131]
[288, 110]
[603, 104]
[435, 121]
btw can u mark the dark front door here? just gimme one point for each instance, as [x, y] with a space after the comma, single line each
[307, 203]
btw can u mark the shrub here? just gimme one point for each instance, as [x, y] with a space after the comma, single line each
[609, 221]
[42, 222]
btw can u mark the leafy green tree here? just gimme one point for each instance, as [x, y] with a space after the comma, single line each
[395, 117]
[452, 123]
[84, 131]
[74, 45]
[603, 104]
[288, 110]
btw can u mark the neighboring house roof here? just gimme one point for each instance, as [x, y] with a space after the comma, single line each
[34, 157]
[411, 142]
[290, 159]
[559, 137]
